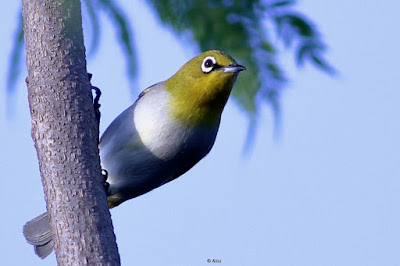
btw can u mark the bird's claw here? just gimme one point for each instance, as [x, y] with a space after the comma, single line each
[105, 184]
[96, 104]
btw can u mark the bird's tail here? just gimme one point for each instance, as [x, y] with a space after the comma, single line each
[38, 233]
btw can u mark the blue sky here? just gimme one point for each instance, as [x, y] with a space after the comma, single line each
[325, 193]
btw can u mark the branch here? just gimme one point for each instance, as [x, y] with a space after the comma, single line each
[65, 133]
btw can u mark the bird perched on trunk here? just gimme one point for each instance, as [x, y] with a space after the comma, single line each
[170, 127]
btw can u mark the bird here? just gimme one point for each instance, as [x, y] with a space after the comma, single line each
[170, 127]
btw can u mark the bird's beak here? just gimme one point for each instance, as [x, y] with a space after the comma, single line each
[233, 68]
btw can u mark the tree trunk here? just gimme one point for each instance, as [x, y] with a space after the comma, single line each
[65, 133]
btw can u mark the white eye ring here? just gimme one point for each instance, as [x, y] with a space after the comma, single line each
[208, 64]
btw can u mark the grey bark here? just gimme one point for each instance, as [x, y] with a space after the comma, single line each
[65, 133]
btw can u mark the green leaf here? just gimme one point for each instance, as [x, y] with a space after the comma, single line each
[268, 47]
[322, 64]
[291, 27]
[299, 24]
[281, 3]
[307, 48]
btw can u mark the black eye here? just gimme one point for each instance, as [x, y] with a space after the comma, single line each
[208, 64]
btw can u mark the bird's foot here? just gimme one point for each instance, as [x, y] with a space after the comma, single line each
[105, 184]
[96, 104]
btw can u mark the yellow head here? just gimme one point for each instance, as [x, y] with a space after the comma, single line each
[200, 89]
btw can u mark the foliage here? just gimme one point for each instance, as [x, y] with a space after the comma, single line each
[250, 30]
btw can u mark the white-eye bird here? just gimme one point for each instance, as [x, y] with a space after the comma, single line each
[171, 126]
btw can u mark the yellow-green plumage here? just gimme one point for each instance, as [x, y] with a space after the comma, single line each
[198, 97]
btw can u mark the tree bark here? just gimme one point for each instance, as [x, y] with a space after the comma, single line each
[65, 133]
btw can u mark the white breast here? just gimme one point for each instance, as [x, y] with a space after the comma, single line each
[161, 135]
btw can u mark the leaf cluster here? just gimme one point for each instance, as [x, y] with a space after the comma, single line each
[252, 31]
